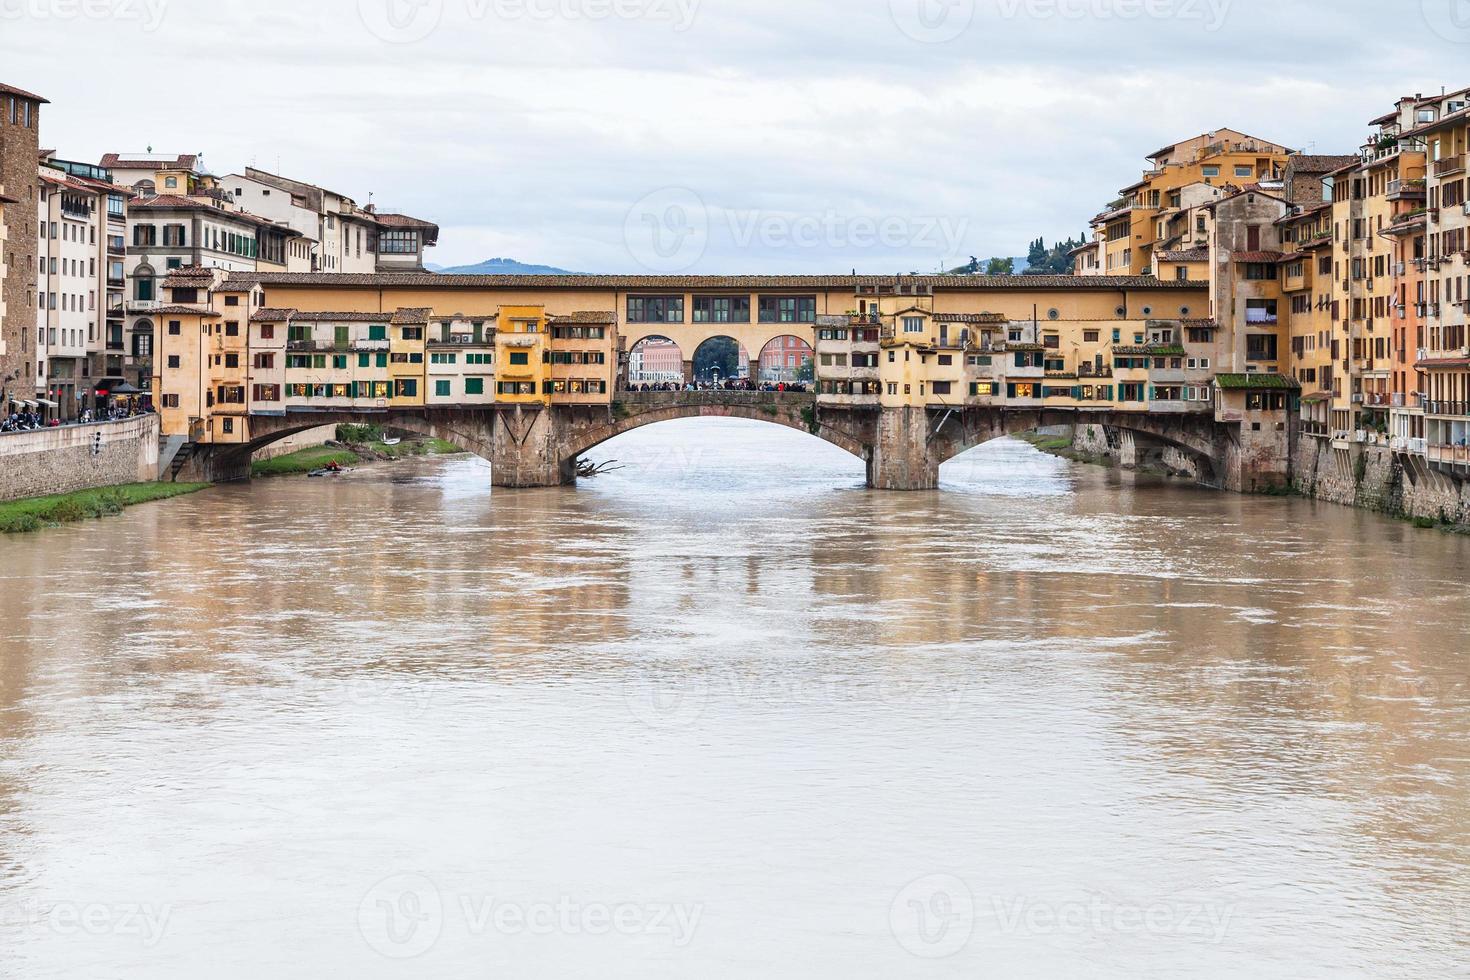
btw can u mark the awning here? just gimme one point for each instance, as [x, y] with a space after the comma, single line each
[47, 402]
[125, 389]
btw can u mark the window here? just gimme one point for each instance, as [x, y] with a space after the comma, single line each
[441, 388]
[474, 386]
[398, 242]
[173, 360]
[405, 388]
[174, 327]
[655, 309]
[520, 358]
[170, 401]
[913, 324]
[1260, 311]
[1244, 171]
[378, 332]
[788, 309]
[1260, 347]
[722, 309]
[1211, 171]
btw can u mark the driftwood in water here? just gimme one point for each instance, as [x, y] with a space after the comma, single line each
[586, 469]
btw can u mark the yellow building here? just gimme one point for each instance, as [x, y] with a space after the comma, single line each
[1307, 288]
[584, 358]
[1162, 210]
[407, 334]
[522, 361]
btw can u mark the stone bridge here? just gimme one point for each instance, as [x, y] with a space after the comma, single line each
[902, 448]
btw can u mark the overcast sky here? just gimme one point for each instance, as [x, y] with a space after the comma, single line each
[721, 135]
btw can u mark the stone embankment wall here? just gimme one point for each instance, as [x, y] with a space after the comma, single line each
[1368, 477]
[1375, 478]
[73, 457]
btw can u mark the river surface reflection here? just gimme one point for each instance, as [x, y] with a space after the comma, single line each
[725, 713]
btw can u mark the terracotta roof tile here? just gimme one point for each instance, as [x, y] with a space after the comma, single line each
[272, 314]
[586, 316]
[1261, 257]
[412, 315]
[180, 310]
[21, 93]
[420, 280]
[970, 318]
[1186, 255]
[185, 161]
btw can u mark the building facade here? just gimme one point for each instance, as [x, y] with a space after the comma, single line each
[20, 123]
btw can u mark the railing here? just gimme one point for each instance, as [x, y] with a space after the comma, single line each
[1435, 407]
[1449, 165]
[1448, 454]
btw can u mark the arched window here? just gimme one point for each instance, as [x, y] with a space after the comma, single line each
[145, 188]
[143, 279]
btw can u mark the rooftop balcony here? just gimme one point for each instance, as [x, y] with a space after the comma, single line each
[1406, 190]
[1450, 165]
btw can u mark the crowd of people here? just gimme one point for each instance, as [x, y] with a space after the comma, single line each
[730, 384]
[24, 420]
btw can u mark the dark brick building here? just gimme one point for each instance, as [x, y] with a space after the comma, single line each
[20, 126]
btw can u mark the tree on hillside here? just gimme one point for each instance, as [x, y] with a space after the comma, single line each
[1001, 267]
[1052, 261]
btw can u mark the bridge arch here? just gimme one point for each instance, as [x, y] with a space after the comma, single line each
[655, 358]
[720, 357]
[787, 358]
[470, 431]
[793, 411]
[1193, 436]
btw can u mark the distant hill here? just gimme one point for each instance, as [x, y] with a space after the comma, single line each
[500, 267]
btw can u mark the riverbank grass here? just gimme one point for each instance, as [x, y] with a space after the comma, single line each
[34, 513]
[349, 454]
[303, 461]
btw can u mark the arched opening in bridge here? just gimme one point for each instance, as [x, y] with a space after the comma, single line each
[734, 457]
[721, 359]
[655, 360]
[302, 447]
[787, 360]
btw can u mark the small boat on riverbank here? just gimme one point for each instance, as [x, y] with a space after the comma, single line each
[326, 471]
